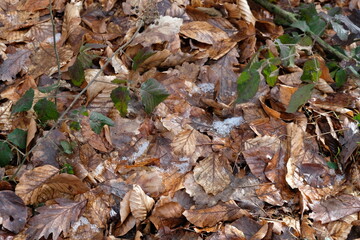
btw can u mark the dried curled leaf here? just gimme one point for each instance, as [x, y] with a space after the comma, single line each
[54, 219]
[213, 174]
[140, 203]
[208, 217]
[44, 183]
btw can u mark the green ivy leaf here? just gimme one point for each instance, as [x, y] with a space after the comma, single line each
[5, 154]
[311, 71]
[301, 25]
[300, 97]
[77, 73]
[340, 77]
[46, 110]
[66, 147]
[98, 121]
[25, 102]
[247, 85]
[48, 89]
[140, 57]
[270, 73]
[67, 168]
[120, 97]
[74, 125]
[18, 137]
[152, 93]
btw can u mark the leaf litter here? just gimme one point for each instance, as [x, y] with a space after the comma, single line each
[210, 123]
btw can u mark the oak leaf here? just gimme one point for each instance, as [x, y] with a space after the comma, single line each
[54, 219]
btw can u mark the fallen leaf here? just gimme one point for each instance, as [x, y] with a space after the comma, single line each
[213, 174]
[13, 65]
[54, 219]
[208, 217]
[140, 203]
[13, 211]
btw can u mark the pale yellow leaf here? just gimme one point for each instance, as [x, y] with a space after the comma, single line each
[185, 142]
[140, 203]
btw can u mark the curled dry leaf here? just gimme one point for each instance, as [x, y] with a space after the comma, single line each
[13, 212]
[43, 183]
[167, 215]
[54, 219]
[213, 174]
[208, 217]
[140, 203]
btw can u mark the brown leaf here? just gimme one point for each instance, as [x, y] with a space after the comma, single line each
[203, 32]
[335, 208]
[140, 203]
[168, 214]
[209, 217]
[43, 183]
[185, 142]
[13, 65]
[213, 174]
[13, 211]
[54, 219]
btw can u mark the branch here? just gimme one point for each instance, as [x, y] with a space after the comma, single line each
[290, 17]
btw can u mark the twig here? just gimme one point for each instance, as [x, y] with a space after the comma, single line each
[62, 116]
[55, 47]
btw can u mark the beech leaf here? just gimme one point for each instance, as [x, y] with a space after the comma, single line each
[140, 203]
[13, 64]
[152, 93]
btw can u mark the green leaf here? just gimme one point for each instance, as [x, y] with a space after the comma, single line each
[247, 85]
[140, 57]
[46, 110]
[25, 102]
[18, 137]
[310, 15]
[300, 97]
[270, 73]
[98, 121]
[120, 97]
[312, 71]
[48, 89]
[77, 73]
[74, 125]
[287, 54]
[119, 81]
[152, 93]
[67, 168]
[5, 154]
[302, 25]
[332, 165]
[340, 77]
[342, 33]
[66, 147]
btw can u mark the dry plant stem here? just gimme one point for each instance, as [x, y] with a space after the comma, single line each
[290, 17]
[55, 47]
[140, 24]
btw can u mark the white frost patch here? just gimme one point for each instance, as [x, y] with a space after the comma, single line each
[206, 87]
[183, 167]
[99, 169]
[224, 127]
[113, 213]
[81, 222]
[141, 150]
[184, 159]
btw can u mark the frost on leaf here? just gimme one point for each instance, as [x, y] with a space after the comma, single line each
[54, 219]
[213, 174]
